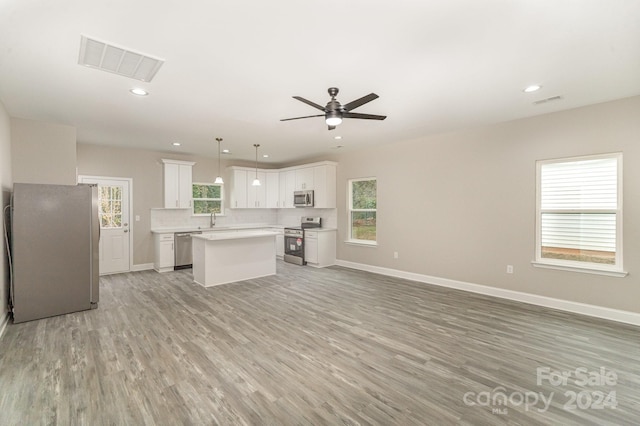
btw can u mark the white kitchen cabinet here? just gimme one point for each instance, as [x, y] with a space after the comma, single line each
[177, 184]
[280, 245]
[304, 178]
[277, 186]
[287, 186]
[238, 189]
[320, 248]
[324, 186]
[164, 258]
[311, 248]
[272, 186]
[243, 195]
[256, 195]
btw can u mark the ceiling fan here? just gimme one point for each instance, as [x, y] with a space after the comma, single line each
[334, 112]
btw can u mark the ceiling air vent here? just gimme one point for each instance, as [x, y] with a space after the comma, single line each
[551, 99]
[108, 57]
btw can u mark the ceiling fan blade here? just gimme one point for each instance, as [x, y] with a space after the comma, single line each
[308, 102]
[298, 118]
[358, 102]
[364, 116]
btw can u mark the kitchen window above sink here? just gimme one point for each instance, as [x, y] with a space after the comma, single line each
[208, 198]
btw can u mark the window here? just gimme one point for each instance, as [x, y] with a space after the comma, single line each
[110, 206]
[579, 217]
[362, 210]
[207, 199]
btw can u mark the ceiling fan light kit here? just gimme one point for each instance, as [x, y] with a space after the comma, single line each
[334, 112]
[333, 118]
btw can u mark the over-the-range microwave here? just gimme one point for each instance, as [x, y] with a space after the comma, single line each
[303, 198]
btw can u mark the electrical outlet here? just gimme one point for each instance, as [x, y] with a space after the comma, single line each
[395, 254]
[137, 218]
[509, 269]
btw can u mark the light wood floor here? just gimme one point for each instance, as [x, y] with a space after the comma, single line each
[310, 347]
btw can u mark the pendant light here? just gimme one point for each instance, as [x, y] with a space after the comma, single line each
[219, 178]
[256, 181]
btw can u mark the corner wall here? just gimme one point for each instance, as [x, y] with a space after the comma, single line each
[145, 169]
[43, 152]
[461, 206]
[6, 184]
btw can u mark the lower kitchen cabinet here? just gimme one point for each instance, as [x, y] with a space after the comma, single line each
[320, 248]
[164, 259]
[280, 245]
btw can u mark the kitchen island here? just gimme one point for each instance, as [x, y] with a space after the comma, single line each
[226, 257]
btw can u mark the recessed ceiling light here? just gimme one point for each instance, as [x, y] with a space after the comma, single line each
[532, 88]
[226, 151]
[176, 144]
[138, 91]
[337, 137]
[265, 155]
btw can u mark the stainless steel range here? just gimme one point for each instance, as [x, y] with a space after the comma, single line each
[294, 240]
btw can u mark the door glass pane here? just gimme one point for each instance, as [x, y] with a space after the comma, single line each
[110, 202]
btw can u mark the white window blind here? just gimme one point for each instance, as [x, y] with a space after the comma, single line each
[579, 210]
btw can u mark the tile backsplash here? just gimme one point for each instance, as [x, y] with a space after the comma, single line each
[182, 218]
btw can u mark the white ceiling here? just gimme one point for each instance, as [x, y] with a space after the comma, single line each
[231, 67]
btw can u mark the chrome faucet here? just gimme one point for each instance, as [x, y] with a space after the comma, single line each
[212, 222]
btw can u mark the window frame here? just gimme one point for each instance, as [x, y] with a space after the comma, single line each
[576, 265]
[350, 210]
[221, 199]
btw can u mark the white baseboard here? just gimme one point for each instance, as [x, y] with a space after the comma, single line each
[549, 302]
[142, 267]
[3, 324]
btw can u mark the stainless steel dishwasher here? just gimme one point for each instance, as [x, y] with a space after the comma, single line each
[183, 250]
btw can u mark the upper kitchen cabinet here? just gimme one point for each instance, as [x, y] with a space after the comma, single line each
[287, 186]
[324, 186]
[277, 186]
[304, 178]
[238, 188]
[257, 195]
[272, 182]
[243, 194]
[321, 178]
[177, 184]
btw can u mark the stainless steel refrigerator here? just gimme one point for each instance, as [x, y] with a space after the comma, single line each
[54, 248]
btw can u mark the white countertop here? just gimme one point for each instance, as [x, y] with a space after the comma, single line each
[214, 229]
[321, 229]
[216, 236]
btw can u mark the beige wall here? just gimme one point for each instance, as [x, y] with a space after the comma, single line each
[462, 205]
[6, 184]
[145, 168]
[43, 152]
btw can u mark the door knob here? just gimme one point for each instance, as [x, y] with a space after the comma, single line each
[126, 230]
[126, 224]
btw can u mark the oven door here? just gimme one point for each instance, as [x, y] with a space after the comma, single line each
[294, 249]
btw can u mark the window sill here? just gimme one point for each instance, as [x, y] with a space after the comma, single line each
[207, 215]
[363, 243]
[582, 269]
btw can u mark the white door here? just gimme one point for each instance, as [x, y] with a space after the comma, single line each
[115, 238]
